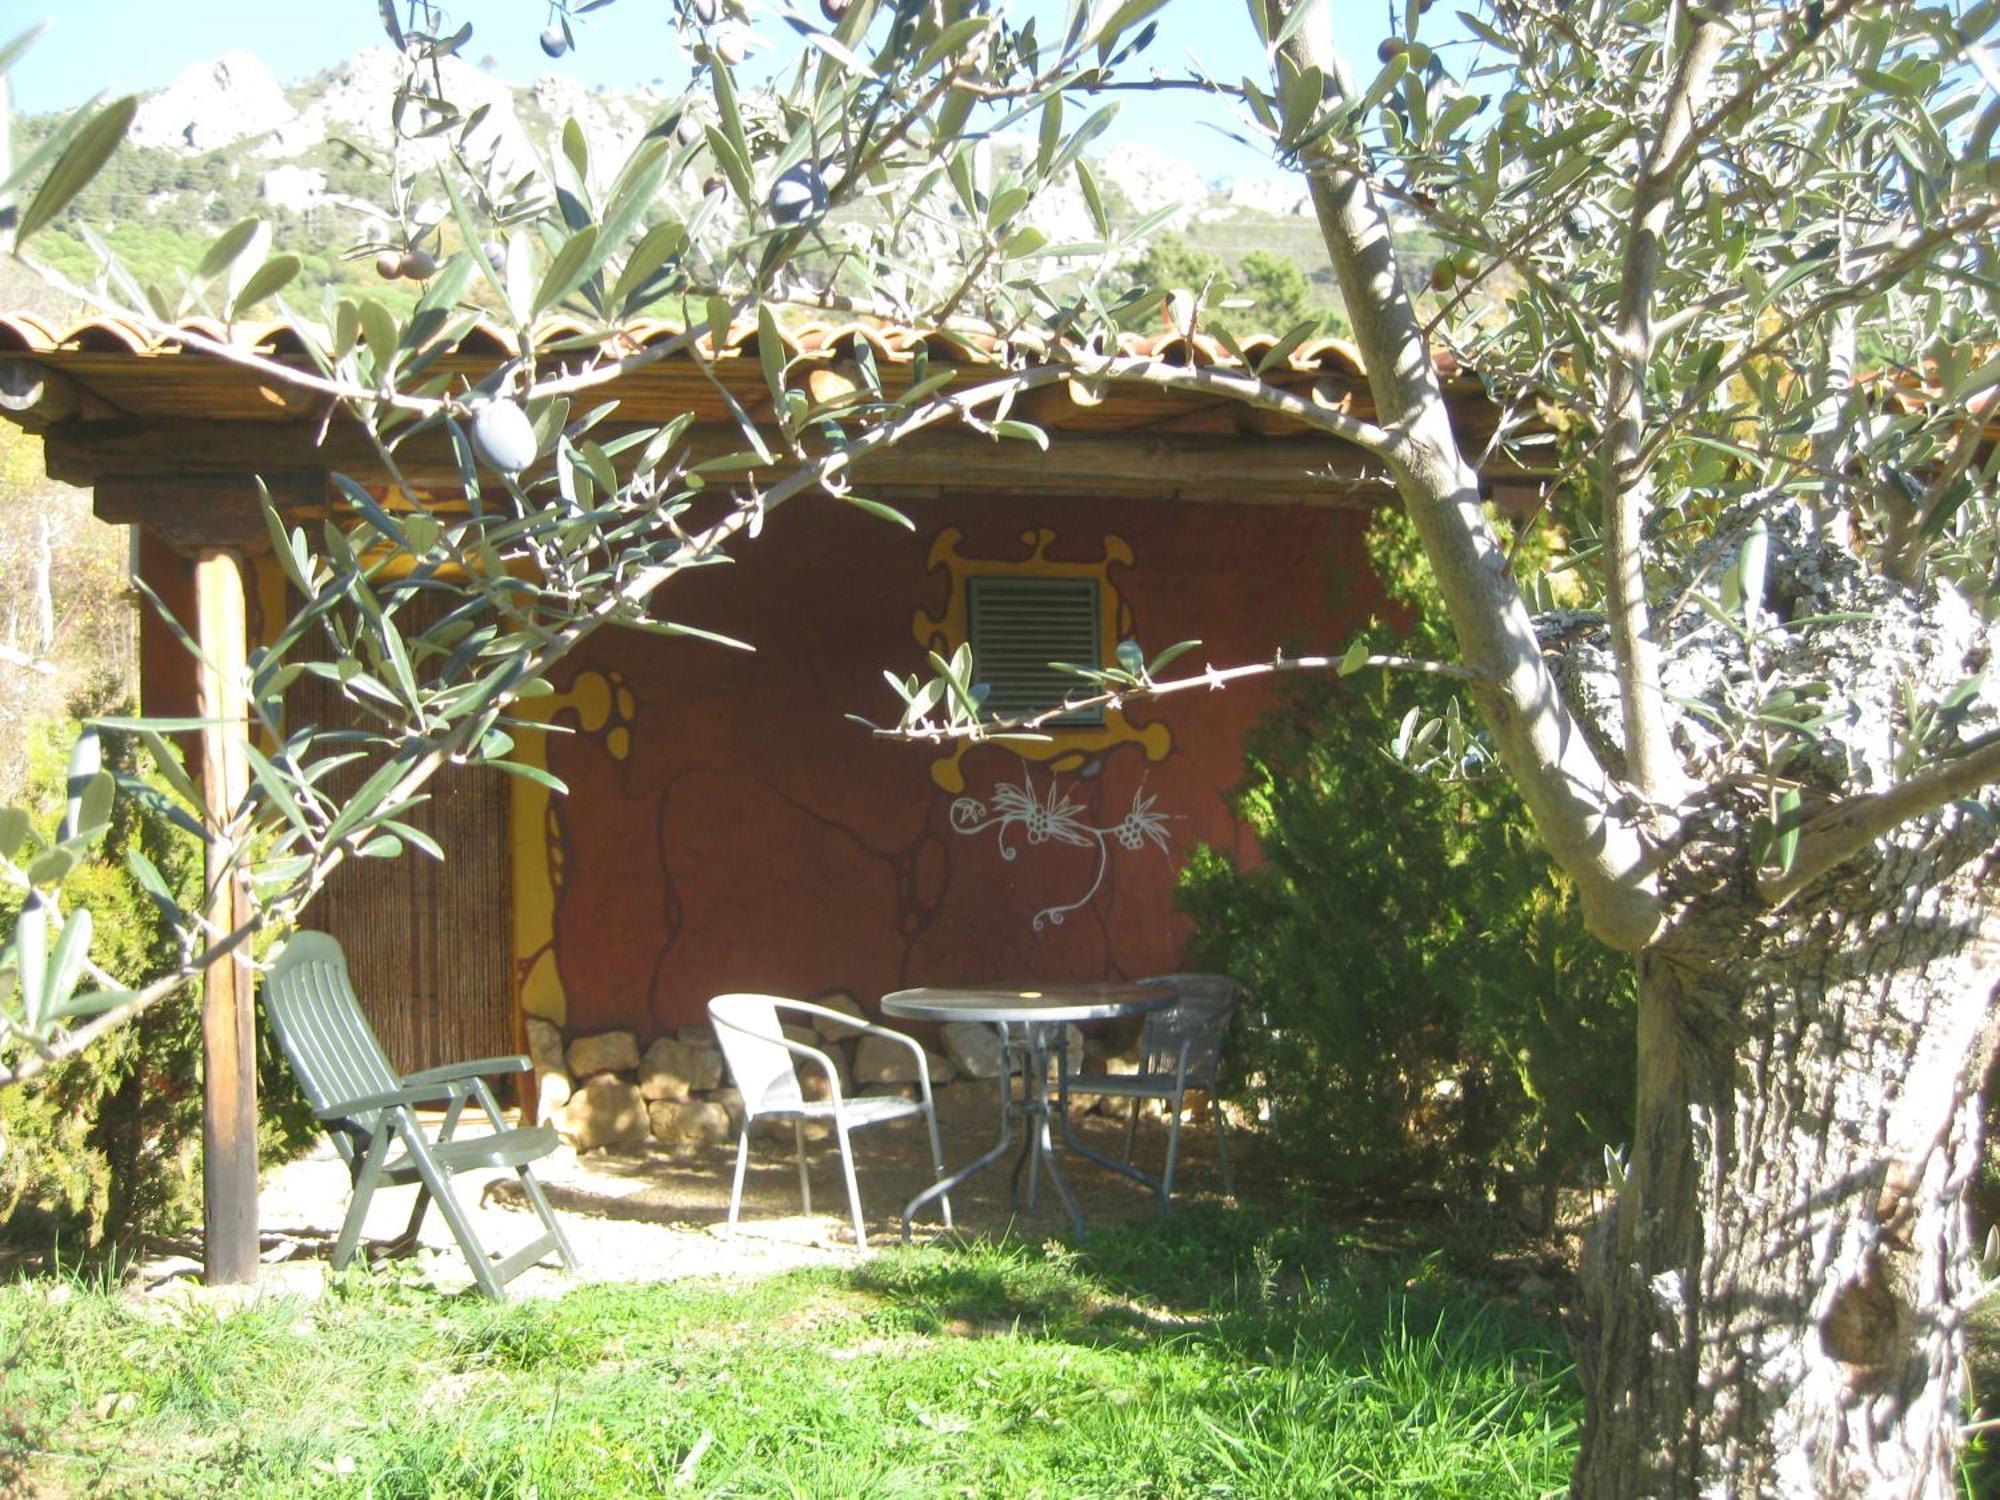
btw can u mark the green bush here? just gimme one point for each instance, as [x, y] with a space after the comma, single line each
[105, 1146]
[1435, 1012]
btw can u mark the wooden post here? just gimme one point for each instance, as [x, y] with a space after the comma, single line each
[229, 1057]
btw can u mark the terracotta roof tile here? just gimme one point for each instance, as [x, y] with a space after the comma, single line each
[26, 332]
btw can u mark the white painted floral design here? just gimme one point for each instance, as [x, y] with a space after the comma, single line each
[1055, 817]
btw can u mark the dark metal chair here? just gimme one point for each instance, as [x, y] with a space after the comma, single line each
[369, 1112]
[1179, 1049]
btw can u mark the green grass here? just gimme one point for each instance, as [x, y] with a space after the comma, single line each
[1218, 1355]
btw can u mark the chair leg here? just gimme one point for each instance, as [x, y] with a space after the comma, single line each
[853, 1187]
[541, 1203]
[408, 1238]
[1132, 1128]
[1173, 1153]
[736, 1191]
[799, 1155]
[937, 1159]
[1222, 1148]
[461, 1229]
[366, 1177]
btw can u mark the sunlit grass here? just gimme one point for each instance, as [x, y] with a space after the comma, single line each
[1217, 1355]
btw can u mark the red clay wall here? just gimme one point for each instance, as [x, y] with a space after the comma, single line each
[745, 835]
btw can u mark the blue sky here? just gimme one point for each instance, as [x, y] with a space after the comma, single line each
[123, 46]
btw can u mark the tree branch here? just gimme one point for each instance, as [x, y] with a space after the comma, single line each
[1847, 829]
[1211, 678]
[1582, 815]
[1624, 479]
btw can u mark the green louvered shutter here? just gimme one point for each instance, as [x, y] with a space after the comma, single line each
[1020, 625]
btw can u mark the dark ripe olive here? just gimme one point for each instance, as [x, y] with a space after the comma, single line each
[835, 10]
[797, 194]
[1391, 48]
[554, 42]
[418, 265]
[389, 265]
[705, 11]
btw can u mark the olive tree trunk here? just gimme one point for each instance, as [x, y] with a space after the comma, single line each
[1773, 1306]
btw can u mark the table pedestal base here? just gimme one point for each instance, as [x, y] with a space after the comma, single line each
[1029, 1043]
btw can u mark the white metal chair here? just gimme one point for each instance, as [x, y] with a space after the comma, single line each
[1179, 1049]
[762, 1060]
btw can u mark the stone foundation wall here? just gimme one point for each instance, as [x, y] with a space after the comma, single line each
[599, 1091]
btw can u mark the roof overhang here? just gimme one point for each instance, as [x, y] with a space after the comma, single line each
[177, 436]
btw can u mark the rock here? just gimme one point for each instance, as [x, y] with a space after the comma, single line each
[296, 188]
[697, 1036]
[805, 1036]
[975, 1048]
[353, 102]
[1117, 1056]
[896, 1090]
[812, 1081]
[673, 1069]
[847, 1005]
[213, 104]
[968, 1099]
[778, 1130]
[732, 1101]
[545, 1046]
[1152, 180]
[1269, 197]
[689, 1122]
[1073, 1047]
[605, 1052]
[606, 1111]
[553, 1090]
[879, 1060]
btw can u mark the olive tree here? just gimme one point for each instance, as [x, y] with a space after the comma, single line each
[1728, 272]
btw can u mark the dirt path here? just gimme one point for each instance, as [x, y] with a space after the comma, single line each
[654, 1215]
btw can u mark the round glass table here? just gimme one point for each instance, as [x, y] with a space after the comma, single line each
[1030, 1020]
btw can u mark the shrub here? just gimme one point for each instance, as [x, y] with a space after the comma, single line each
[1436, 1012]
[104, 1146]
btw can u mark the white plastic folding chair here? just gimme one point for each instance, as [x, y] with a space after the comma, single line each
[1179, 1049]
[764, 1063]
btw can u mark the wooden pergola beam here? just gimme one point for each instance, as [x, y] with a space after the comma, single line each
[229, 1054]
[196, 486]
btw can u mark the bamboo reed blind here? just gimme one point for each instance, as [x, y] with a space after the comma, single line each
[429, 944]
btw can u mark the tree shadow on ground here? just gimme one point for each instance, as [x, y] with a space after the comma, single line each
[1242, 1282]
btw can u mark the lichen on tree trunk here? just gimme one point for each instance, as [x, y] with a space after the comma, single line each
[1774, 1306]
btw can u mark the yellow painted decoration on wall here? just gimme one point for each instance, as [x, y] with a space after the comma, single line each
[605, 708]
[1069, 747]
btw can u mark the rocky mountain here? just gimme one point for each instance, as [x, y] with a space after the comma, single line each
[229, 138]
